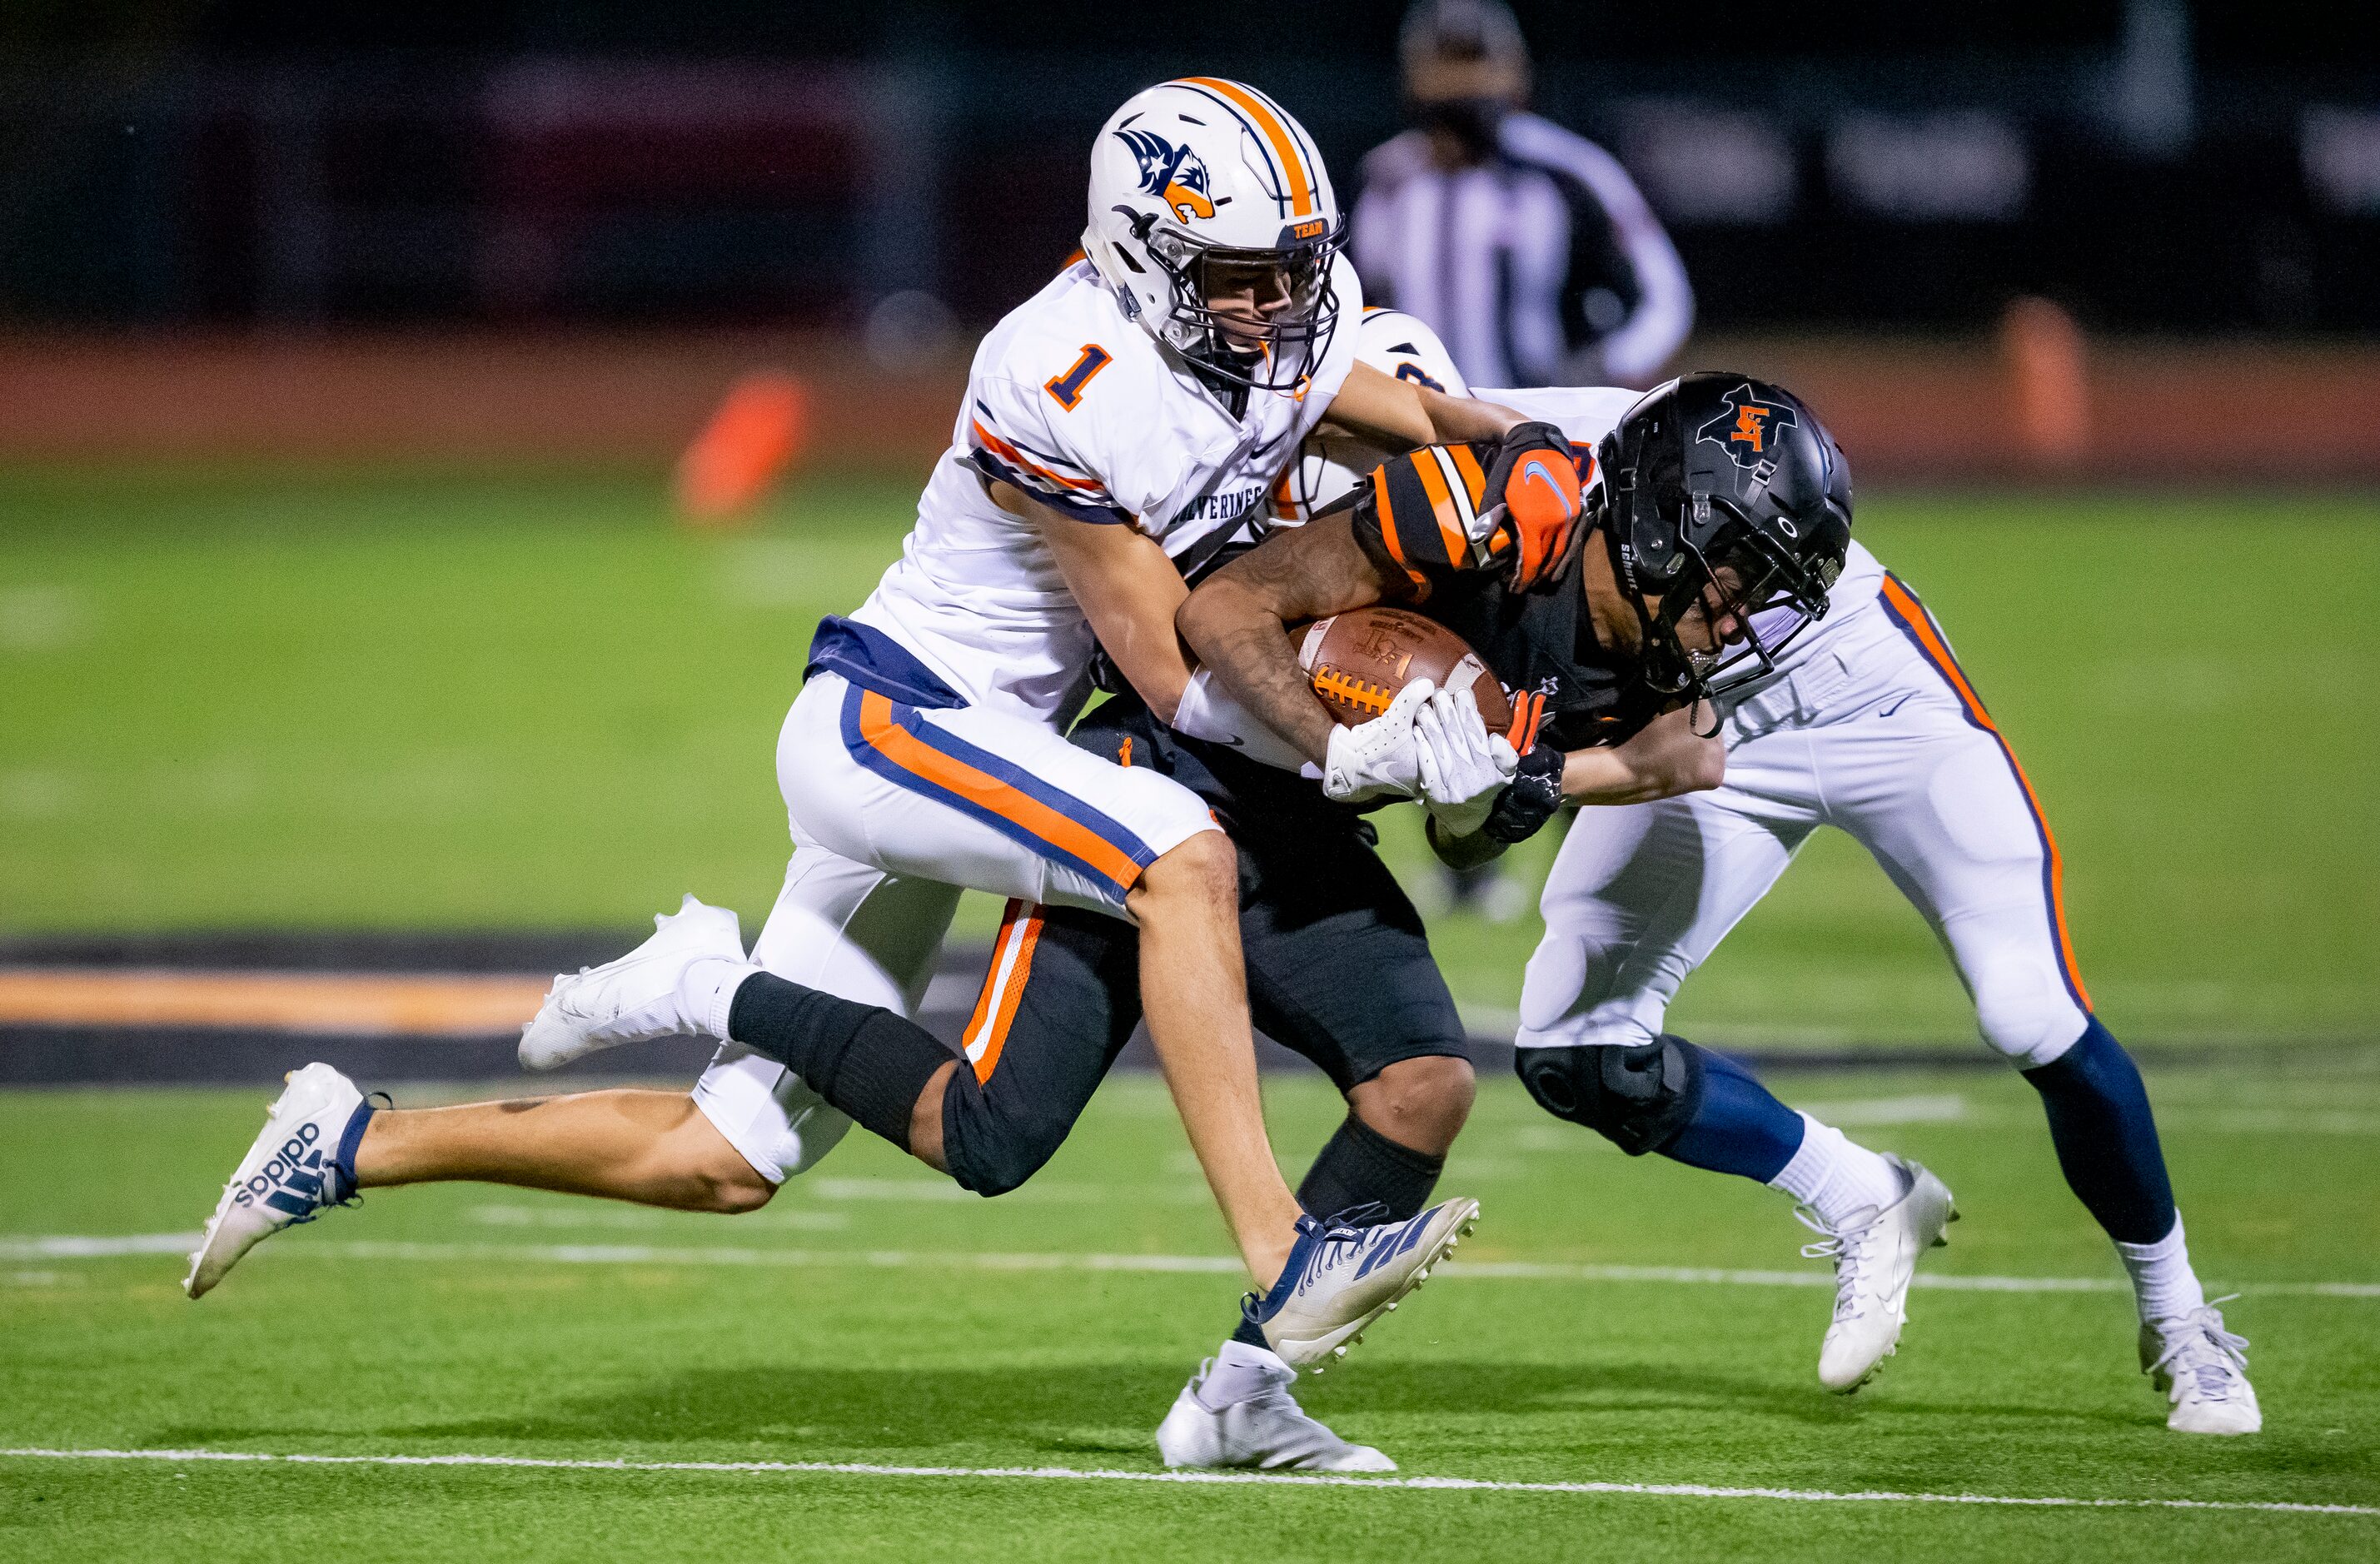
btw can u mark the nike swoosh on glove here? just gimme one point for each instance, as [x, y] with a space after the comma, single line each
[1376, 759]
[1534, 480]
[1464, 767]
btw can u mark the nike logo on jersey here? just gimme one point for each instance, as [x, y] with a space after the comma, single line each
[1894, 707]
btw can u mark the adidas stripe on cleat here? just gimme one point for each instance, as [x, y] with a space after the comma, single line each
[300, 1164]
[1340, 1277]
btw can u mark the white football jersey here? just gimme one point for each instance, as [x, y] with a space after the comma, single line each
[1585, 413]
[1073, 405]
[1328, 465]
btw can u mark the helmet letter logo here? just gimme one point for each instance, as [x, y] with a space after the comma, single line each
[1746, 428]
[1173, 174]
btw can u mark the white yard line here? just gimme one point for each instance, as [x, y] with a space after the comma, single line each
[85, 1247]
[1263, 1479]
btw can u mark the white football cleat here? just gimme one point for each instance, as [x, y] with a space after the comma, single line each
[1340, 1278]
[290, 1174]
[1264, 1428]
[635, 998]
[2203, 1369]
[1876, 1257]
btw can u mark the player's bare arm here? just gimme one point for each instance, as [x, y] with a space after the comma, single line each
[1237, 623]
[1128, 589]
[1666, 758]
[1398, 415]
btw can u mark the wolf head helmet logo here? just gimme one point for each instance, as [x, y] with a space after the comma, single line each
[1173, 174]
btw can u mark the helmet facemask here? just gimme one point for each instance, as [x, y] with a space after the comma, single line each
[1738, 571]
[1748, 576]
[1281, 351]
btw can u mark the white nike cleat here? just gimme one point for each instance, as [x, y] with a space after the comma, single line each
[289, 1175]
[635, 998]
[1340, 1278]
[1876, 1257]
[1264, 1428]
[2203, 1369]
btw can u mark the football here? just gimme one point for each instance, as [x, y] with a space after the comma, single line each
[1359, 660]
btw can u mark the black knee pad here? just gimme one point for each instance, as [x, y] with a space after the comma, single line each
[1637, 1099]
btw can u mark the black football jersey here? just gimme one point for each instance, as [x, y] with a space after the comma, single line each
[1567, 689]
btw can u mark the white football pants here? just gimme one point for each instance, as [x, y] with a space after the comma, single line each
[894, 810]
[1874, 731]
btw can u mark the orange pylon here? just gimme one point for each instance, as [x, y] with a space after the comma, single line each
[2049, 382]
[755, 435]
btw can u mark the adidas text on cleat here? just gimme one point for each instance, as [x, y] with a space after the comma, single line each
[2203, 1369]
[1876, 1257]
[1340, 1278]
[636, 997]
[289, 1175]
[1264, 1428]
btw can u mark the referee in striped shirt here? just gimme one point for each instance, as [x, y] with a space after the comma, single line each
[1527, 249]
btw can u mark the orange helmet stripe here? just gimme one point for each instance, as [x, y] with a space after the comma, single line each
[1301, 184]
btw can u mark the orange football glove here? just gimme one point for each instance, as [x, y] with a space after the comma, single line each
[1537, 482]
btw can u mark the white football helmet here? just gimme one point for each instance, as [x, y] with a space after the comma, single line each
[1201, 173]
[1329, 467]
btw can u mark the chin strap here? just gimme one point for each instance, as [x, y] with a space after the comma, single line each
[1662, 664]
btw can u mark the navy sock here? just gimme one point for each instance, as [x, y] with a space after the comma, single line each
[1739, 1127]
[1359, 1165]
[2106, 1136]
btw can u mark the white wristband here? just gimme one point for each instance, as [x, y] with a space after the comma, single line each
[1208, 712]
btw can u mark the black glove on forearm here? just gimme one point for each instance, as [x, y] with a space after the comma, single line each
[1533, 797]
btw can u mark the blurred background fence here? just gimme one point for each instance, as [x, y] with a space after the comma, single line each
[543, 225]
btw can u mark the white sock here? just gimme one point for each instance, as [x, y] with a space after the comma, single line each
[706, 991]
[1836, 1176]
[1241, 1371]
[2163, 1284]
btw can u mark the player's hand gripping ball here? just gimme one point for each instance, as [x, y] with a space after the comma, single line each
[1534, 480]
[1358, 661]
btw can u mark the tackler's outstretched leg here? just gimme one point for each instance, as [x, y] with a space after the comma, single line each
[1938, 797]
[1637, 899]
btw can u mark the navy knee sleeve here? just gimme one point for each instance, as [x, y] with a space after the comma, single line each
[1739, 1127]
[2106, 1136]
[865, 1060]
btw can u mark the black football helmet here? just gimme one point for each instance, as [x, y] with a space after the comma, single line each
[1721, 480]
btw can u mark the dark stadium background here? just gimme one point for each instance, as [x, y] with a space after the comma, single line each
[202, 163]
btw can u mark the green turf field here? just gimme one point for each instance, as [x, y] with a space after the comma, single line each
[874, 1316]
[449, 699]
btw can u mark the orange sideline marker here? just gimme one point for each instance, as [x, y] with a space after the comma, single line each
[755, 435]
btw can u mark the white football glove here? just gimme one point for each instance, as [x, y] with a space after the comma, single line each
[1464, 767]
[1376, 759]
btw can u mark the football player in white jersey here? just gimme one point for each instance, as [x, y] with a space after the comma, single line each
[1125, 421]
[1860, 719]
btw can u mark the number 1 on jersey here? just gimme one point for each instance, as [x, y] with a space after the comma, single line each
[1068, 388]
